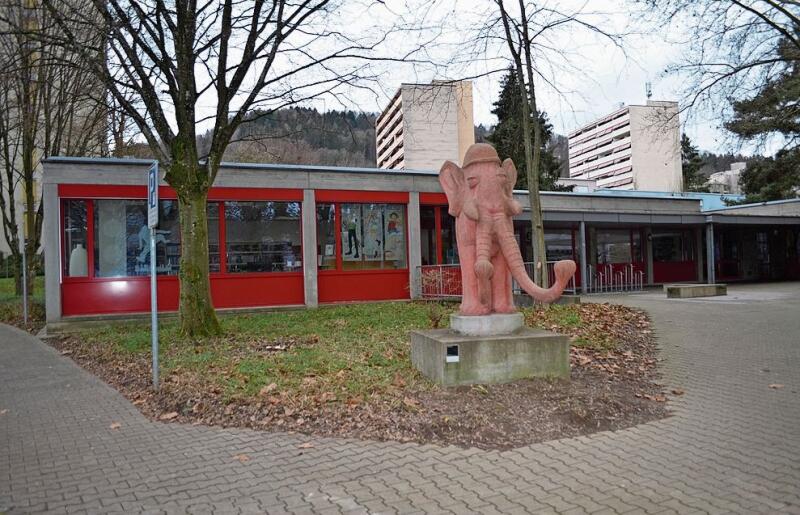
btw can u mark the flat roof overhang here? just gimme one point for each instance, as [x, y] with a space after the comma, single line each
[752, 220]
[557, 207]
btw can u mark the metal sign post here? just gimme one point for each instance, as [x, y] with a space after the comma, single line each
[152, 223]
[24, 275]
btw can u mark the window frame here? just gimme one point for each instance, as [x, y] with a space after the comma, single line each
[223, 242]
[337, 223]
[92, 193]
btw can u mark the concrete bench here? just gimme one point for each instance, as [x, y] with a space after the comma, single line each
[688, 291]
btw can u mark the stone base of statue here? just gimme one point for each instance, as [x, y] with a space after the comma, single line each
[489, 349]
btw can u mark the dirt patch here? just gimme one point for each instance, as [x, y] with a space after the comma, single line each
[612, 386]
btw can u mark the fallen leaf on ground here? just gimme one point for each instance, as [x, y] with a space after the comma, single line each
[678, 391]
[270, 387]
[66, 352]
[3, 411]
[776, 386]
[327, 397]
[115, 425]
[169, 416]
[408, 401]
[242, 458]
[307, 445]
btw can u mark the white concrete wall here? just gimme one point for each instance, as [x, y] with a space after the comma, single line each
[432, 115]
[655, 145]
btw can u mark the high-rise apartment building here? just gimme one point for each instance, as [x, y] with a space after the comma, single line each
[424, 125]
[727, 181]
[636, 147]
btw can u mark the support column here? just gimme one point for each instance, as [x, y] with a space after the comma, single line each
[584, 264]
[414, 244]
[698, 252]
[648, 251]
[710, 261]
[51, 242]
[309, 221]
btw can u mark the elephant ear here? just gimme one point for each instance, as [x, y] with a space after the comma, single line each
[511, 173]
[513, 207]
[451, 177]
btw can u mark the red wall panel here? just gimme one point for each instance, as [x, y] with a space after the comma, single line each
[670, 272]
[392, 197]
[366, 285]
[432, 199]
[247, 290]
[123, 295]
[132, 295]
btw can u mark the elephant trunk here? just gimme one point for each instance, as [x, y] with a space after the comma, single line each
[564, 269]
[483, 252]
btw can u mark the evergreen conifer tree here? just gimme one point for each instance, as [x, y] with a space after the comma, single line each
[507, 136]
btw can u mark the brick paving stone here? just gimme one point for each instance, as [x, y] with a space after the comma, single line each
[731, 446]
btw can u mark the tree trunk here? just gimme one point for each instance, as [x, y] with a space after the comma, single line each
[532, 173]
[537, 220]
[541, 276]
[197, 316]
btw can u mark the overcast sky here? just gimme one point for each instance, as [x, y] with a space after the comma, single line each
[583, 75]
[597, 80]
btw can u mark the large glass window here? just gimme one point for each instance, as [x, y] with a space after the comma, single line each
[618, 246]
[558, 244]
[326, 237]
[428, 236]
[263, 236]
[212, 213]
[449, 247]
[122, 239]
[75, 244]
[373, 236]
[672, 246]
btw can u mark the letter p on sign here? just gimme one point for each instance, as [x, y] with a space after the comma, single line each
[152, 196]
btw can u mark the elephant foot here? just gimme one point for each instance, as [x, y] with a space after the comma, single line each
[484, 269]
[474, 310]
[505, 309]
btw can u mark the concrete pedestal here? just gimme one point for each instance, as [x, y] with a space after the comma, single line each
[450, 358]
[487, 325]
[689, 291]
[524, 300]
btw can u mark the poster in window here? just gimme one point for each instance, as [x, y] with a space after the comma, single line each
[395, 241]
[373, 233]
[351, 229]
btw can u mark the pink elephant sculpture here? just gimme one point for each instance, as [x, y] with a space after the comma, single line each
[480, 198]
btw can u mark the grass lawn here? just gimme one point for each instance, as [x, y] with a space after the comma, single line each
[11, 304]
[346, 352]
[346, 370]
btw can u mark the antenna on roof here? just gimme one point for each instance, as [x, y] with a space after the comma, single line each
[648, 90]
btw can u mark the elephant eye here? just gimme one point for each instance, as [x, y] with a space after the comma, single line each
[472, 181]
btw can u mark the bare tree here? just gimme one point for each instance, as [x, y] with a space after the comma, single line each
[731, 49]
[10, 146]
[48, 109]
[534, 36]
[164, 61]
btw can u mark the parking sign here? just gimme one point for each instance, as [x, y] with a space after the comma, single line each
[152, 196]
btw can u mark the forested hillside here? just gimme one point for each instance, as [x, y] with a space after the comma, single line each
[713, 163]
[306, 136]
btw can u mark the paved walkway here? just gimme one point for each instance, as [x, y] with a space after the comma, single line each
[733, 444]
